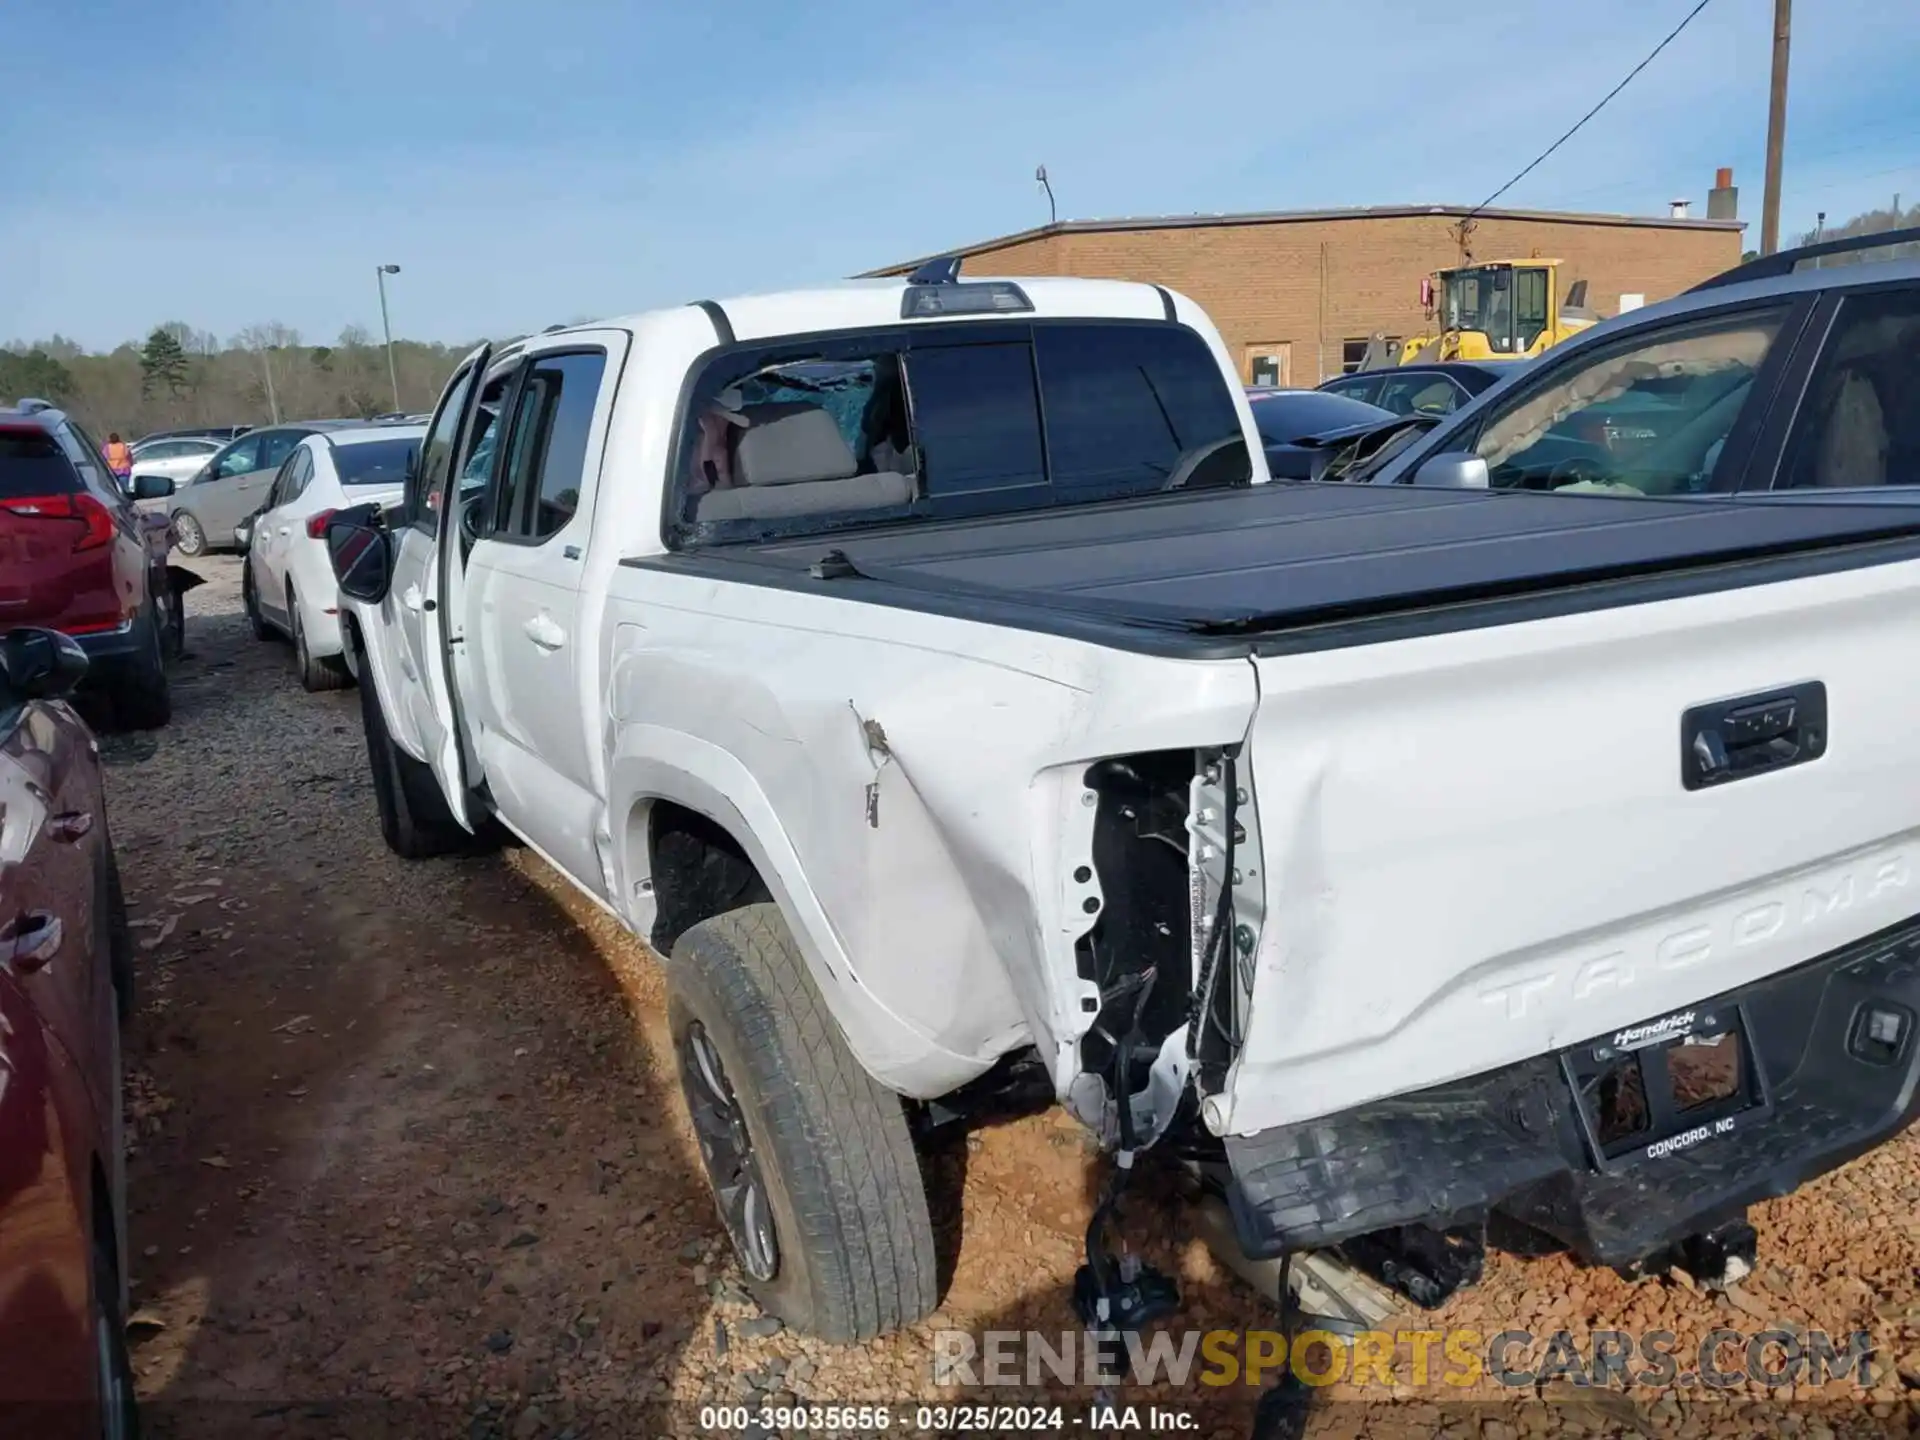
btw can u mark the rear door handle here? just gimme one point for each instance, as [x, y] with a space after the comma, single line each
[1728, 740]
[545, 632]
[70, 827]
[30, 941]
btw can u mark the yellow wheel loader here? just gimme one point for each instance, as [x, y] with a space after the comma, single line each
[1500, 310]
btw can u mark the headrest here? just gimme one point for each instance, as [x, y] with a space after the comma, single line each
[791, 444]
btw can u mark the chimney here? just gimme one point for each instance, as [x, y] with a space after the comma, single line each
[1677, 209]
[1723, 201]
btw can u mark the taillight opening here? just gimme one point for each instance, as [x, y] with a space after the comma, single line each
[96, 523]
[317, 524]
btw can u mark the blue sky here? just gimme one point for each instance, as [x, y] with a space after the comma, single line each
[227, 162]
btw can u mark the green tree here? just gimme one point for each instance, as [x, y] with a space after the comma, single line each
[163, 364]
[36, 373]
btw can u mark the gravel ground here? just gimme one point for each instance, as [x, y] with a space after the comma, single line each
[409, 1159]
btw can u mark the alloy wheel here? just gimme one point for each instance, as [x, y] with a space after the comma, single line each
[726, 1149]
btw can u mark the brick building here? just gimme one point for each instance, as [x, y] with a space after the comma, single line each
[1296, 294]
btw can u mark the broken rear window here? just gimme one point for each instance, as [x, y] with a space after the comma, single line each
[973, 418]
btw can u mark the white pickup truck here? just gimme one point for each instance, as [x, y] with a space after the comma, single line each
[929, 670]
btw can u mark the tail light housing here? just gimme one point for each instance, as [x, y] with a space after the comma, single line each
[317, 524]
[96, 521]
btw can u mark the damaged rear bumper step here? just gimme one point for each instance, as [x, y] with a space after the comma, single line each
[1609, 1147]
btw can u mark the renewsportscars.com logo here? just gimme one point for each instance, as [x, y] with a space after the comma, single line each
[1638, 1037]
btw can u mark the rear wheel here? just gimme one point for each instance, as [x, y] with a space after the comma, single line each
[414, 818]
[188, 536]
[316, 672]
[250, 599]
[142, 698]
[809, 1158]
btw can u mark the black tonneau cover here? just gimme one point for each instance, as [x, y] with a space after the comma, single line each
[1315, 561]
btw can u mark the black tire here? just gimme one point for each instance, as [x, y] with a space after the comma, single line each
[119, 1408]
[119, 940]
[176, 634]
[142, 698]
[414, 818]
[854, 1245]
[250, 600]
[189, 537]
[316, 673]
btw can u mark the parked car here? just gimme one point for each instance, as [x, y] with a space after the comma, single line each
[233, 484]
[76, 555]
[219, 433]
[179, 458]
[1301, 430]
[1796, 376]
[1030, 724]
[66, 979]
[286, 581]
[1438, 388]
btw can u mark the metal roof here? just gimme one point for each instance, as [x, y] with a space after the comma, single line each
[1294, 217]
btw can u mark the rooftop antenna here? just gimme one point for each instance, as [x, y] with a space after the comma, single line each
[1053, 213]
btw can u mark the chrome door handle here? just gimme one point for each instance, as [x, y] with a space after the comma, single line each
[70, 827]
[31, 941]
[545, 632]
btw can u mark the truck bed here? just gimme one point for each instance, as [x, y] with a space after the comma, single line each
[1287, 567]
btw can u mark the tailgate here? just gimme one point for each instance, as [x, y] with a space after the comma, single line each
[1480, 846]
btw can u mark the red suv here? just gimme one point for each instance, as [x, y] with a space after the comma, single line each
[76, 556]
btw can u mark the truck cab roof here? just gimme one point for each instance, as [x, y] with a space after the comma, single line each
[858, 304]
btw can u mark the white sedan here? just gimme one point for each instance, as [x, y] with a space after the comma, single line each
[177, 457]
[286, 581]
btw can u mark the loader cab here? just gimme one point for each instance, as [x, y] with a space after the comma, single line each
[1508, 306]
[1502, 310]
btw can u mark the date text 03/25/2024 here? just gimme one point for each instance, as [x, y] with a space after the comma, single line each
[943, 1419]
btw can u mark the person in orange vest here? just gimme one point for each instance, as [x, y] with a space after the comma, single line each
[118, 456]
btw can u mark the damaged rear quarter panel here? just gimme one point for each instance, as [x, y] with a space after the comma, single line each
[939, 914]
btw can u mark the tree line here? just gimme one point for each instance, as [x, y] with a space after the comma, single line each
[1873, 222]
[181, 376]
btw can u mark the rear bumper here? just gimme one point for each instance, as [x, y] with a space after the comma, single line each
[1512, 1141]
[108, 650]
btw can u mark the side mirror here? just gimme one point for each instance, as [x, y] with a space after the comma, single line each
[361, 552]
[243, 534]
[1455, 470]
[151, 487]
[38, 664]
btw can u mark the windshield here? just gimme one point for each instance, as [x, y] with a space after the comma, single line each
[1286, 416]
[374, 462]
[1481, 299]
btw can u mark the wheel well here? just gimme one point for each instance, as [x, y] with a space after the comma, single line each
[698, 870]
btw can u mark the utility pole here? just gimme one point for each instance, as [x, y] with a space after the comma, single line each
[380, 273]
[1776, 129]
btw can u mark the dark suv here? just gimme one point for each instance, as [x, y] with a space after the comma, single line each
[76, 556]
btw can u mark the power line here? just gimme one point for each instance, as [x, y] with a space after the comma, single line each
[1591, 113]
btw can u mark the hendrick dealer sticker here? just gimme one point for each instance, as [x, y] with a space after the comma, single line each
[1638, 1037]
